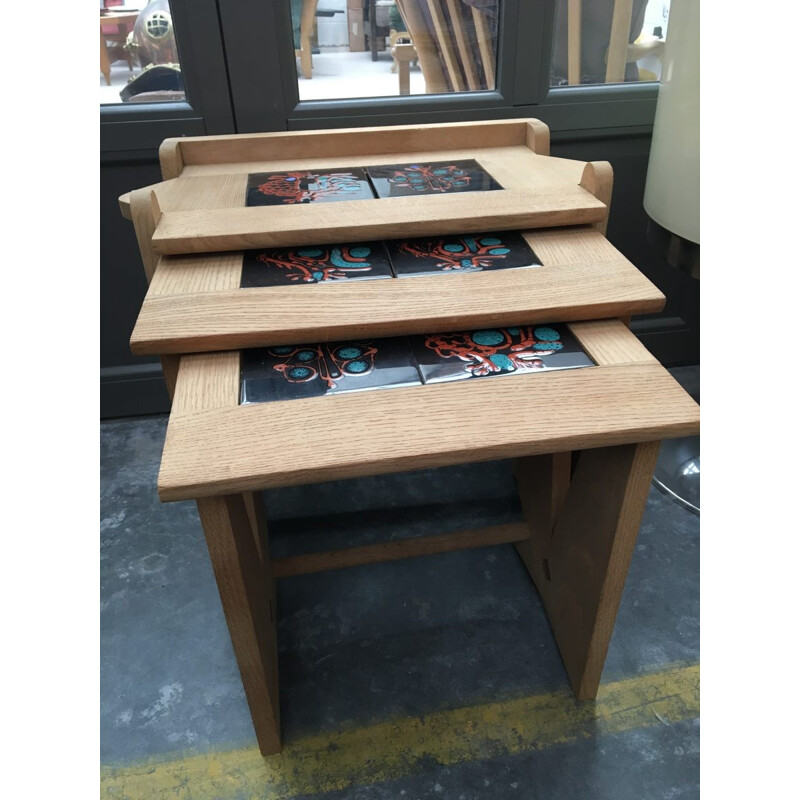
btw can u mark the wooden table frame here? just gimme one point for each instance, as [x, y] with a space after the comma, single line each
[585, 443]
[121, 20]
[583, 469]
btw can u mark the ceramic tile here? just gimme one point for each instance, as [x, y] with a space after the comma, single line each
[315, 264]
[441, 177]
[497, 351]
[473, 253]
[290, 188]
[301, 371]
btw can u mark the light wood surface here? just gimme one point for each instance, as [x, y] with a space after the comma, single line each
[582, 551]
[435, 81]
[194, 305]
[145, 214]
[203, 209]
[598, 179]
[403, 55]
[464, 46]
[606, 343]
[574, 21]
[212, 452]
[248, 602]
[292, 147]
[537, 138]
[543, 482]
[307, 19]
[207, 381]
[484, 45]
[618, 41]
[397, 549]
[363, 220]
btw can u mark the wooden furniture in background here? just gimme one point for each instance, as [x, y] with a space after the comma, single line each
[120, 21]
[620, 51]
[535, 194]
[580, 523]
[456, 49]
[307, 19]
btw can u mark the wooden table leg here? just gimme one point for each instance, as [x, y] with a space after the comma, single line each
[307, 16]
[248, 600]
[583, 529]
[105, 65]
[404, 54]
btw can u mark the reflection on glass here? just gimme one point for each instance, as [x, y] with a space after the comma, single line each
[608, 41]
[380, 48]
[138, 55]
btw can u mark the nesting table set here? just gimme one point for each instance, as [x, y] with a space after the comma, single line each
[584, 440]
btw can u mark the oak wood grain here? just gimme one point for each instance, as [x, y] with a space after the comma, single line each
[598, 178]
[210, 230]
[302, 441]
[346, 142]
[583, 277]
[248, 602]
[397, 549]
[580, 569]
[617, 53]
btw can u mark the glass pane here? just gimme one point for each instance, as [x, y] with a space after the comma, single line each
[384, 48]
[595, 44]
[138, 55]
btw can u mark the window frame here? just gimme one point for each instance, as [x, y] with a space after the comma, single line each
[136, 130]
[263, 79]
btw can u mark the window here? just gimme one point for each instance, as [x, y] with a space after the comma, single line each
[606, 41]
[138, 53]
[380, 48]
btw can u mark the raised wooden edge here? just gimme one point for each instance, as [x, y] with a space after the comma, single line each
[212, 230]
[145, 214]
[598, 179]
[193, 150]
[538, 137]
[397, 549]
[170, 158]
[178, 324]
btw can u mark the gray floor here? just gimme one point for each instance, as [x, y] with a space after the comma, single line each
[363, 645]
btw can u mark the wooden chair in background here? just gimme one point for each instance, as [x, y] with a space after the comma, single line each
[114, 31]
[454, 43]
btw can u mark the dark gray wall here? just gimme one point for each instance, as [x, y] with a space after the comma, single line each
[131, 386]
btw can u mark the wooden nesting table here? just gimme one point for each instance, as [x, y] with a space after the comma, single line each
[585, 441]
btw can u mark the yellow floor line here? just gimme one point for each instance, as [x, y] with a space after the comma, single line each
[390, 750]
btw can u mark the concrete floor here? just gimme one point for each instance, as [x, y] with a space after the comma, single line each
[392, 676]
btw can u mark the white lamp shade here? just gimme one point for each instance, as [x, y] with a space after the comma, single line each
[672, 193]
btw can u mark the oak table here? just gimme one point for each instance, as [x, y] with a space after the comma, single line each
[121, 20]
[584, 441]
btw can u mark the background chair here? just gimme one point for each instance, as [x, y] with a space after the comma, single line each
[115, 34]
[454, 40]
[595, 41]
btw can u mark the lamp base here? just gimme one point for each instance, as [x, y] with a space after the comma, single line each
[679, 252]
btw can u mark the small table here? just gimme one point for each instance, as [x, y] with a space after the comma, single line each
[584, 441]
[121, 20]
